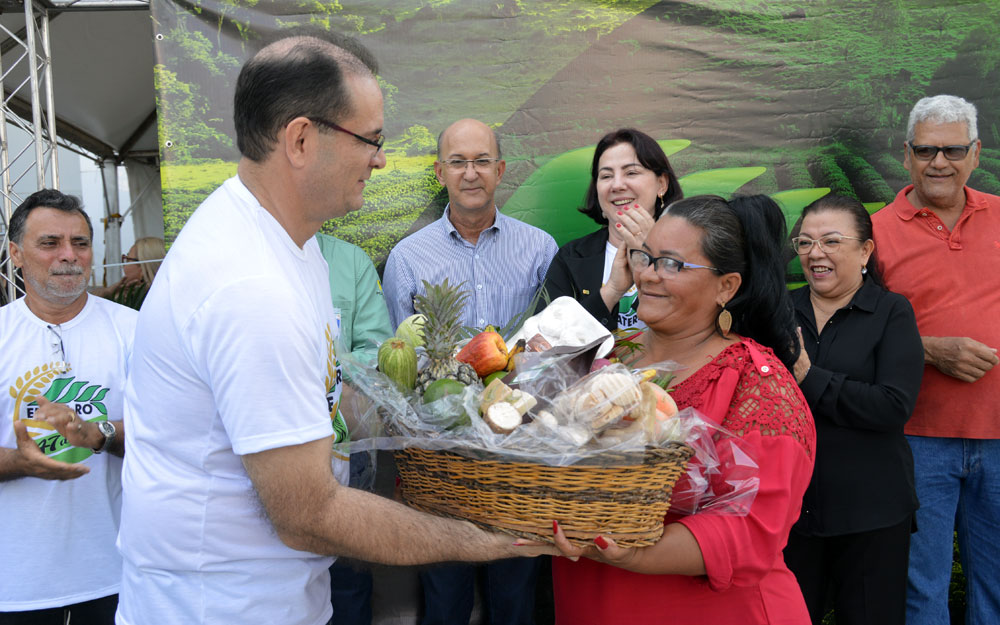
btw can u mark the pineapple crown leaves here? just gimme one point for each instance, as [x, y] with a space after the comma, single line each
[441, 305]
[516, 322]
[440, 299]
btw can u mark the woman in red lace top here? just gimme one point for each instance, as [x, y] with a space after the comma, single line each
[705, 262]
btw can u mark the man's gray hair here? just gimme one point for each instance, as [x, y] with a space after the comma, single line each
[943, 109]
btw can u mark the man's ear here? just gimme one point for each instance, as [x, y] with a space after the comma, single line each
[439, 172]
[15, 254]
[501, 167]
[298, 139]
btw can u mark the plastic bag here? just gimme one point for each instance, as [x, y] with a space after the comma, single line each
[722, 477]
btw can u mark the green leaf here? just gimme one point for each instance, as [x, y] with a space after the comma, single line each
[722, 182]
[57, 386]
[100, 407]
[70, 395]
[88, 392]
[793, 201]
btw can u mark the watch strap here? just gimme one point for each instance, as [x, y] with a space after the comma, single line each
[110, 433]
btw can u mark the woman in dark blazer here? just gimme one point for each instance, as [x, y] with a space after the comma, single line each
[860, 369]
[631, 182]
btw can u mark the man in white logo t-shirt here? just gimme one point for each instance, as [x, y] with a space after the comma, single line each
[231, 509]
[63, 368]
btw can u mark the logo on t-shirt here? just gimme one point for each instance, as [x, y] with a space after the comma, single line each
[334, 379]
[85, 398]
[628, 307]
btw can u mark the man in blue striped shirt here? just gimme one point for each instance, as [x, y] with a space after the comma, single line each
[502, 262]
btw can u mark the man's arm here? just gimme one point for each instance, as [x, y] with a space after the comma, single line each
[959, 356]
[27, 460]
[312, 512]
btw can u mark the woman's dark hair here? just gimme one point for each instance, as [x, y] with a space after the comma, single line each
[746, 235]
[650, 156]
[862, 222]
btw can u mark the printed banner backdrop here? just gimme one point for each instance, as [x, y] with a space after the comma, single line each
[783, 97]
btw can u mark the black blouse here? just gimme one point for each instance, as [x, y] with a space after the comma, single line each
[866, 370]
[578, 271]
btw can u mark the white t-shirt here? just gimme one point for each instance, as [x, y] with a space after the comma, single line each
[57, 539]
[629, 303]
[234, 355]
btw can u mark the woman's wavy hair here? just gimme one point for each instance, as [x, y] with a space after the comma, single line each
[650, 156]
[150, 249]
[746, 235]
[862, 222]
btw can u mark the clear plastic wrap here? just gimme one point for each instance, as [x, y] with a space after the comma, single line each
[574, 417]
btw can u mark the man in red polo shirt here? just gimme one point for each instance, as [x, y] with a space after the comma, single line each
[939, 243]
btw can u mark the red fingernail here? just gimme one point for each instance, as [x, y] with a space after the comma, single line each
[635, 206]
[626, 208]
[601, 543]
[555, 527]
[619, 212]
[618, 225]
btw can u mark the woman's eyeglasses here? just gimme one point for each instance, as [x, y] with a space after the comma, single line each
[128, 259]
[830, 244]
[663, 265]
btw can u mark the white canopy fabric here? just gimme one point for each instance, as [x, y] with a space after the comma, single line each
[102, 74]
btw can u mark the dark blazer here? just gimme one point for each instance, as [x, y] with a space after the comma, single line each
[866, 370]
[577, 271]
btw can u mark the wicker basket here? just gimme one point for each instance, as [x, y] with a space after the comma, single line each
[626, 501]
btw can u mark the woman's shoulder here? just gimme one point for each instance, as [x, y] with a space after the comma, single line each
[767, 398]
[587, 245]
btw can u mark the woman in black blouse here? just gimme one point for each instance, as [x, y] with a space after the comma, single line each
[860, 371]
[631, 182]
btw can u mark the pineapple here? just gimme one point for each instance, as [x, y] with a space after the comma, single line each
[442, 305]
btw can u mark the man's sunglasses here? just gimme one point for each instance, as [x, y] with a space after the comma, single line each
[951, 152]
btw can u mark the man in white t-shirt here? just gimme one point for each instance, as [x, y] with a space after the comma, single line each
[64, 361]
[231, 509]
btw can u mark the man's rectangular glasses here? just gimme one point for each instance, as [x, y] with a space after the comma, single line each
[951, 152]
[479, 164]
[662, 265]
[378, 142]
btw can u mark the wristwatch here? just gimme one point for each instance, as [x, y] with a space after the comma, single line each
[108, 430]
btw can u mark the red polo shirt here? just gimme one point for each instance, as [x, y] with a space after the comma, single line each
[952, 279]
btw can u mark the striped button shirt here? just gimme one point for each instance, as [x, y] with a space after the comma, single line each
[501, 272]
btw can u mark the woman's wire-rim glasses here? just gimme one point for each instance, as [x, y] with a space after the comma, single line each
[828, 245]
[640, 259]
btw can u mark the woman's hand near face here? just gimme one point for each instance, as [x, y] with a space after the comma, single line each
[634, 223]
[801, 367]
[620, 279]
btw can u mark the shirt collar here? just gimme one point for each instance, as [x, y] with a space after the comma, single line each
[449, 227]
[865, 298]
[974, 200]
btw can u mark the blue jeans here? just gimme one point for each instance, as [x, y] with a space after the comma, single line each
[958, 484]
[509, 598]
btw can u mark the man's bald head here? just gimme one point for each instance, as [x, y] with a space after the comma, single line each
[295, 76]
[463, 126]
